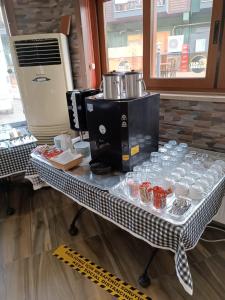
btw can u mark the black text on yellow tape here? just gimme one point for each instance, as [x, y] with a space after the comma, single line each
[107, 281]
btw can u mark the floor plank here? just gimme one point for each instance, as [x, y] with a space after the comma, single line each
[28, 271]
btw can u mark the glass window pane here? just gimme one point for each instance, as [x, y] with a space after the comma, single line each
[124, 34]
[11, 109]
[181, 31]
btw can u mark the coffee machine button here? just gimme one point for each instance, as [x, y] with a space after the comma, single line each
[102, 129]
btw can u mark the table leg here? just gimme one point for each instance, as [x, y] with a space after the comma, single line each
[73, 230]
[9, 210]
[144, 280]
[5, 190]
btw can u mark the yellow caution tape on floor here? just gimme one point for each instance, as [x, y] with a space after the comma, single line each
[107, 281]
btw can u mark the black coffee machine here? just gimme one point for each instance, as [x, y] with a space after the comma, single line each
[77, 109]
[122, 132]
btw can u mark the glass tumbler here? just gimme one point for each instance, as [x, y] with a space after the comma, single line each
[145, 192]
[181, 188]
[181, 171]
[186, 166]
[137, 169]
[159, 197]
[155, 154]
[184, 146]
[218, 168]
[195, 174]
[173, 143]
[155, 160]
[163, 150]
[132, 180]
[169, 184]
[196, 192]
[175, 175]
[190, 180]
[188, 158]
[214, 173]
[147, 164]
[168, 146]
[221, 163]
[204, 183]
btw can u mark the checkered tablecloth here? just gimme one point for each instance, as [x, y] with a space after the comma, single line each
[142, 224]
[14, 160]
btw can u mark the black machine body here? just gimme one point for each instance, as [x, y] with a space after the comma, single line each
[123, 132]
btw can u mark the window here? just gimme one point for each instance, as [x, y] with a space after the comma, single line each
[123, 34]
[11, 110]
[181, 35]
[177, 44]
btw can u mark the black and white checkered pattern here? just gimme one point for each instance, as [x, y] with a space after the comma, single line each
[14, 160]
[142, 224]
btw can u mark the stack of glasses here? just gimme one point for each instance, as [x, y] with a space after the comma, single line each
[173, 170]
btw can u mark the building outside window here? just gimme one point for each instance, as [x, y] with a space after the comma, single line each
[181, 32]
[11, 109]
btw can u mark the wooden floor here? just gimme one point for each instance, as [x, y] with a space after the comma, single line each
[28, 271]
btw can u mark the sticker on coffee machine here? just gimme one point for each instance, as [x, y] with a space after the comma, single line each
[90, 107]
[134, 150]
[102, 129]
[125, 157]
[124, 118]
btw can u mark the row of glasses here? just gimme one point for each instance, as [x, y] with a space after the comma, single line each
[173, 169]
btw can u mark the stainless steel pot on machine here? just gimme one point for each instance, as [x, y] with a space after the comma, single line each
[117, 85]
[134, 84]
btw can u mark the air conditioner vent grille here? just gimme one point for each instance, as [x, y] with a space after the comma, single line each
[38, 52]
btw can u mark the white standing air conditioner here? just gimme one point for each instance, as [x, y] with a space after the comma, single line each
[43, 70]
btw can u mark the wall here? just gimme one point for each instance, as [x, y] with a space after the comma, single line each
[200, 123]
[33, 16]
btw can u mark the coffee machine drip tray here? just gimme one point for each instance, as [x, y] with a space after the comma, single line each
[100, 168]
[102, 181]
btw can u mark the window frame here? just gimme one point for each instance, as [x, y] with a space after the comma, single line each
[221, 75]
[213, 81]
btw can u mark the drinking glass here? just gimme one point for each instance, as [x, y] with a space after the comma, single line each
[155, 154]
[220, 163]
[188, 158]
[173, 143]
[137, 169]
[218, 168]
[155, 159]
[147, 164]
[204, 183]
[157, 169]
[196, 191]
[175, 175]
[181, 171]
[132, 180]
[159, 197]
[186, 166]
[168, 146]
[188, 179]
[162, 150]
[195, 174]
[210, 179]
[169, 183]
[181, 188]
[214, 174]
[184, 146]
